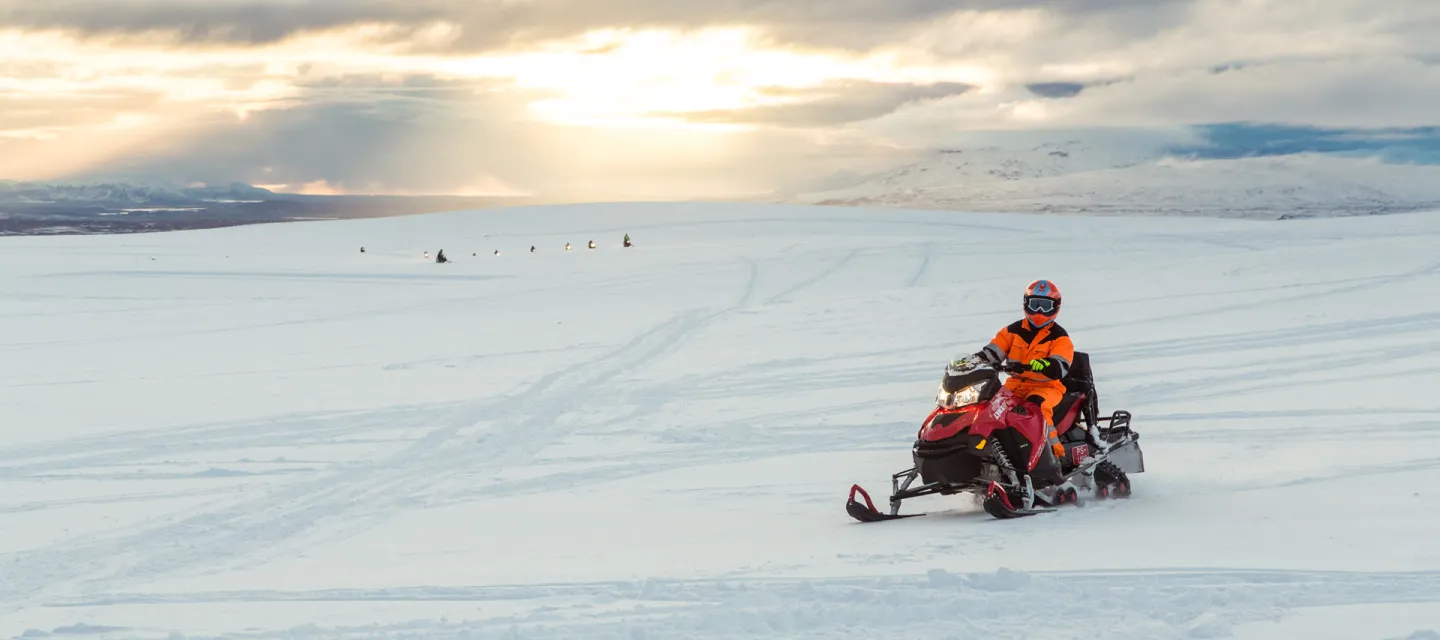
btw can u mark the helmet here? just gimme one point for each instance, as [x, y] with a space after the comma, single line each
[1042, 303]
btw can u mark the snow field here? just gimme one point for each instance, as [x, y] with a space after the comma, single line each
[1078, 178]
[260, 432]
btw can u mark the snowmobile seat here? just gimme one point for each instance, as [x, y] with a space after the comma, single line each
[1079, 379]
[1067, 413]
[1080, 397]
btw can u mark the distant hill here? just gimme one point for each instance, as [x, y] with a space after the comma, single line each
[106, 194]
[1071, 177]
[41, 208]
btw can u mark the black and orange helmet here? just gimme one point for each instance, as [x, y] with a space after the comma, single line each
[1042, 302]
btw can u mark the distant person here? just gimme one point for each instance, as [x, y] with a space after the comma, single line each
[627, 239]
[532, 248]
[440, 257]
[567, 246]
[497, 252]
[592, 244]
[362, 249]
[427, 255]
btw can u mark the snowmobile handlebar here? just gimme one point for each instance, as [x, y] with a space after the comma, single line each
[970, 364]
[1012, 366]
[1004, 366]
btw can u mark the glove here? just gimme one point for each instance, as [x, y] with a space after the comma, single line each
[1045, 367]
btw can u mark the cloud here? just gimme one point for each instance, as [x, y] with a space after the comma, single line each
[215, 21]
[1377, 92]
[1344, 64]
[492, 24]
[435, 143]
[642, 97]
[831, 104]
[1056, 89]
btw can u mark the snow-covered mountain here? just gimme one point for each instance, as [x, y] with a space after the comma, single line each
[39, 208]
[261, 432]
[128, 194]
[1077, 178]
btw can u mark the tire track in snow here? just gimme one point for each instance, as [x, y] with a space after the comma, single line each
[813, 280]
[750, 283]
[144, 447]
[537, 412]
[1271, 378]
[651, 399]
[1139, 604]
[521, 426]
[926, 258]
[358, 496]
[1383, 281]
[1421, 323]
[418, 306]
[194, 540]
[526, 423]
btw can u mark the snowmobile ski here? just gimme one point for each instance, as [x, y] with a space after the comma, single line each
[867, 512]
[998, 504]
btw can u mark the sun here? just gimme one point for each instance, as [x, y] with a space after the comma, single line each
[654, 78]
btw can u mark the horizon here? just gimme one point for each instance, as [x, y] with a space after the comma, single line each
[645, 100]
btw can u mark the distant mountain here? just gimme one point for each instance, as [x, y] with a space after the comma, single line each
[114, 193]
[1070, 177]
[40, 208]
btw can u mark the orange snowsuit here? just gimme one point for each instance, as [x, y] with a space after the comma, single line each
[1050, 344]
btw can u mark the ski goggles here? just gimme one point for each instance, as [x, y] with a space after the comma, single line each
[1038, 304]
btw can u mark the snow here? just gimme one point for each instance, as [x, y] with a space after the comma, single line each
[260, 432]
[1074, 177]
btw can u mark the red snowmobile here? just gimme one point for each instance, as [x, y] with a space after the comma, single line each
[983, 439]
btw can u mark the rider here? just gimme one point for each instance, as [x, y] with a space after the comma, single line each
[1041, 351]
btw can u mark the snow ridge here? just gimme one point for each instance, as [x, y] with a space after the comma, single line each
[1076, 178]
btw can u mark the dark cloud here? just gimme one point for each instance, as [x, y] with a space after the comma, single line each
[834, 104]
[492, 24]
[364, 134]
[217, 21]
[1056, 89]
[442, 139]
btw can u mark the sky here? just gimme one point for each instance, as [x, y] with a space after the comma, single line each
[645, 99]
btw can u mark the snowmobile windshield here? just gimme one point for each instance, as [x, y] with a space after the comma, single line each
[967, 388]
[953, 383]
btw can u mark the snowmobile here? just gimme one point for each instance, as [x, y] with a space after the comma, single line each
[983, 439]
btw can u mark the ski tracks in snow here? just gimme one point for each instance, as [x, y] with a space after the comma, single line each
[344, 474]
[834, 268]
[459, 449]
[358, 495]
[927, 257]
[1152, 604]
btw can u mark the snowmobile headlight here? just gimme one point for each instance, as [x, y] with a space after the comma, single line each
[967, 396]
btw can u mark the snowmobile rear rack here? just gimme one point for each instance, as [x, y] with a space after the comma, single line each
[1119, 423]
